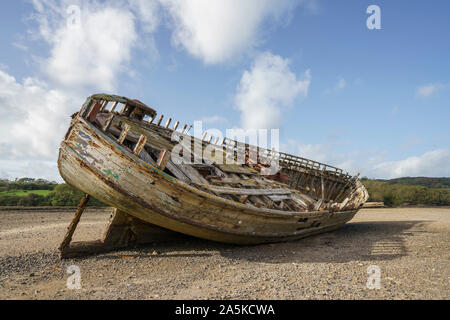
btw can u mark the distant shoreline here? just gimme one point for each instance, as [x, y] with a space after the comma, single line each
[110, 208]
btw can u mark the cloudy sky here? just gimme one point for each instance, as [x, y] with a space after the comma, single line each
[370, 101]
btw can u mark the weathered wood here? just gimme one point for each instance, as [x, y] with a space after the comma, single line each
[177, 172]
[94, 111]
[234, 168]
[124, 133]
[160, 120]
[163, 159]
[254, 192]
[191, 173]
[279, 198]
[73, 225]
[108, 122]
[175, 127]
[140, 145]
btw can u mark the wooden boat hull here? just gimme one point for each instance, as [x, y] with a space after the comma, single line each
[92, 162]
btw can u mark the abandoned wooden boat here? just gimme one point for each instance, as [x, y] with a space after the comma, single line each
[118, 151]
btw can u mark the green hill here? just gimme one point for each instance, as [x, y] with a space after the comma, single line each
[409, 191]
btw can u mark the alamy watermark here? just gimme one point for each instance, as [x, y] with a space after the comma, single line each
[374, 20]
[73, 17]
[251, 147]
[74, 280]
[374, 279]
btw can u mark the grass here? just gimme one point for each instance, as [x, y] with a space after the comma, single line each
[23, 193]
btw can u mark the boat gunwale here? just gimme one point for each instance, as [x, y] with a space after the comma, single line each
[151, 170]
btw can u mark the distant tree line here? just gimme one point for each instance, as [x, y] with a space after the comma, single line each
[27, 184]
[60, 195]
[409, 191]
[394, 193]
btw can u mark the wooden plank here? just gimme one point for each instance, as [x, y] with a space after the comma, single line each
[251, 192]
[177, 172]
[191, 173]
[234, 168]
[94, 111]
[279, 198]
[147, 158]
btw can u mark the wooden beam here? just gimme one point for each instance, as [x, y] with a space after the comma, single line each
[160, 120]
[73, 225]
[250, 192]
[124, 133]
[175, 127]
[140, 145]
[163, 159]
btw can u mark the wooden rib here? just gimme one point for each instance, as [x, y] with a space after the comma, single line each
[204, 136]
[114, 106]
[108, 122]
[160, 120]
[163, 159]
[124, 133]
[175, 127]
[140, 145]
[168, 123]
[184, 128]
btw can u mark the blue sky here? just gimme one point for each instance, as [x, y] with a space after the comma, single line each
[370, 101]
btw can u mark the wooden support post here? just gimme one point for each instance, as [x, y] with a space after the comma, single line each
[184, 128]
[175, 127]
[108, 122]
[160, 120]
[168, 123]
[73, 225]
[114, 106]
[204, 136]
[123, 135]
[323, 186]
[163, 159]
[140, 145]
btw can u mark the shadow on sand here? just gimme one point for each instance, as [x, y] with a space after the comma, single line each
[360, 241]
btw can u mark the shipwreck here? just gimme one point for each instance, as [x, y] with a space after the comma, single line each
[120, 151]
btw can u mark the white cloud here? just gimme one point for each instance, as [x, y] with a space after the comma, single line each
[340, 85]
[430, 164]
[265, 89]
[213, 119]
[35, 112]
[33, 118]
[373, 163]
[430, 90]
[216, 31]
[427, 91]
[90, 53]
[148, 12]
